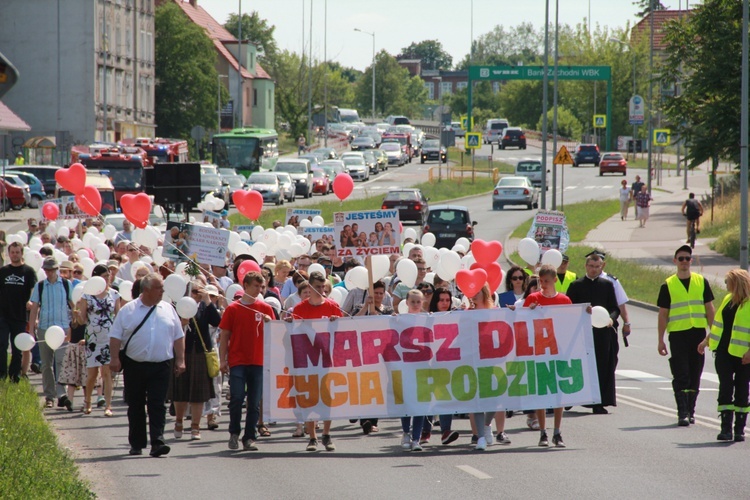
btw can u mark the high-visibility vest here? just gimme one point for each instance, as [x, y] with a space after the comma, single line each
[686, 309]
[739, 342]
[562, 286]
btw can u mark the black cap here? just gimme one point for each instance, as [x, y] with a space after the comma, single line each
[99, 269]
[598, 253]
[684, 248]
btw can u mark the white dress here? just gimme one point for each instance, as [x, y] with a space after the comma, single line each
[101, 315]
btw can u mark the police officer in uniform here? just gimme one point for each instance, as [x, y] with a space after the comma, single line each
[564, 277]
[685, 311]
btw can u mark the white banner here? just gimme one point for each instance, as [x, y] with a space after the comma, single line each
[429, 364]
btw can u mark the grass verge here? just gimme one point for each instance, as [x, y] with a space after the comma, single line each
[435, 191]
[32, 463]
[725, 226]
[580, 218]
[463, 160]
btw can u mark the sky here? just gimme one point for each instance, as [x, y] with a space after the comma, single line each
[398, 23]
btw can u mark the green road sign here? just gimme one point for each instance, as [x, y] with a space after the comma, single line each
[473, 140]
[600, 121]
[662, 136]
[537, 72]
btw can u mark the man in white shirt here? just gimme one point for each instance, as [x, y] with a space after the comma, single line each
[151, 333]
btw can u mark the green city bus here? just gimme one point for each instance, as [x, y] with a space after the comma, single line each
[246, 150]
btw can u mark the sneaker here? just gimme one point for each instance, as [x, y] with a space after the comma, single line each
[406, 442]
[481, 444]
[474, 440]
[64, 402]
[212, 424]
[159, 450]
[49, 403]
[328, 443]
[36, 368]
[543, 441]
[415, 446]
[557, 440]
[532, 423]
[449, 436]
[502, 438]
[312, 445]
[425, 438]
[488, 436]
[234, 442]
[366, 427]
[249, 445]
[100, 402]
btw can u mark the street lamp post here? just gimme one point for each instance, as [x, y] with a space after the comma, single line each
[373, 67]
[218, 101]
[632, 54]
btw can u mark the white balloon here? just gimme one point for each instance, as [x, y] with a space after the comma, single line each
[599, 317]
[33, 259]
[283, 254]
[77, 292]
[101, 251]
[180, 269]
[430, 278]
[428, 240]
[407, 272]
[244, 235]
[146, 238]
[296, 249]
[90, 240]
[187, 307]
[381, 265]
[88, 266]
[41, 275]
[409, 232]
[36, 240]
[406, 248]
[234, 238]
[93, 231]
[450, 264]
[218, 204]
[158, 256]
[257, 233]
[14, 238]
[94, 286]
[336, 294]
[54, 337]
[318, 220]
[289, 229]
[174, 286]
[357, 278]
[431, 257]
[316, 267]
[464, 242]
[259, 251]
[146, 259]
[552, 257]
[201, 206]
[232, 289]
[110, 231]
[241, 248]
[60, 255]
[467, 260]
[191, 220]
[126, 290]
[305, 223]
[269, 237]
[209, 198]
[63, 231]
[71, 223]
[23, 235]
[305, 243]
[283, 241]
[82, 254]
[77, 243]
[344, 293]
[273, 302]
[403, 308]
[459, 248]
[51, 228]
[24, 342]
[528, 249]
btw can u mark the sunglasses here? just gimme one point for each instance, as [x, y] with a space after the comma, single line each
[518, 278]
[77, 272]
[684, 259]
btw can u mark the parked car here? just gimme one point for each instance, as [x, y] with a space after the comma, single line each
[45, 173]
[586, 153]
[411, 204]
[493, 130]
[515, 191]
[449, 223]
[300, 170]
[372, 161]
[212, 183]
[513, 137]
[357, 168]
[457, 130]
[613, 163]
[267, 184]
[433, 150]
[321, 183]
[286, 182]
[395, 153]
[16, 181]
[36, 188]
[12, 196]
[531, 169]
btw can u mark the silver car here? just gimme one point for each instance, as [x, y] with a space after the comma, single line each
[267, 184]
[357, 168]
[286, 182]
[515, 191]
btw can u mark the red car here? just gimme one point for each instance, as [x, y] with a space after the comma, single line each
[613, 163]
[12, 196]
[320, 182]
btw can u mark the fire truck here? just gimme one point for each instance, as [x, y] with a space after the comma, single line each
[124, 168]
[160, 150]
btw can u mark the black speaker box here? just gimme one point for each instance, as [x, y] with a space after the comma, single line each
[172, 183]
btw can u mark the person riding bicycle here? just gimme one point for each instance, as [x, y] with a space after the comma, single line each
[693, 210]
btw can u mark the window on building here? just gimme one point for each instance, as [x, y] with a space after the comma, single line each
[446, 88]
[270, 99]
[247, 97]
[255, 98]
[128, 43]
[430, 90]
[461, 85]
[149, 47]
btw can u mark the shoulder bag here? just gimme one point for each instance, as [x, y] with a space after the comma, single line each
[212, 357]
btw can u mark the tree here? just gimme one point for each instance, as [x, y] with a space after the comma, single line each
[186, 77]
[568, 125]
[258, 31]
[522, 44]
[645, 6]
[290, 72]
[430, 52]
[393, 89]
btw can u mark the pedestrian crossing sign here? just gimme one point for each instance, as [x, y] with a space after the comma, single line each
[465, 122]
[662, 137]
[600, 121]
[563, 157]
[473, 140]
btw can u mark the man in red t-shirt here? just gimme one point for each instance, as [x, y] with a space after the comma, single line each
[317, 307]
[241, 355]
[548, 296]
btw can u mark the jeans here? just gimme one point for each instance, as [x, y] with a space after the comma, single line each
[52, 362]
[146, 388]
[245, 380]
[416, 426]
[9, 329]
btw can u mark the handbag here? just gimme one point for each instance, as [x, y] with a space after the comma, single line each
[123, 355]
[212, 357]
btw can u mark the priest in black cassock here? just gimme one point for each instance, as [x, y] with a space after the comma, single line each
[598, 291]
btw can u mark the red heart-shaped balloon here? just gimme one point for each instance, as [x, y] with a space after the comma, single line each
[136, 208]
[72, 179]
[471, 281]
[90, 201]
[249, 203]
[494, 274]
[485, 252]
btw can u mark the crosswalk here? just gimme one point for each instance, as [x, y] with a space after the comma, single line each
[651, 378]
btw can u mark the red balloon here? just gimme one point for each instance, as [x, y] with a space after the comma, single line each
[471, 281]
[72, 179]
[494, 274]
[136, 208]
[485, 252]
[343, 185]
[249, 203]
[50, 211]
[245, 267]
[90, 201]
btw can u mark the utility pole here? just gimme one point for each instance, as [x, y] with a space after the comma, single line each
[545, 83]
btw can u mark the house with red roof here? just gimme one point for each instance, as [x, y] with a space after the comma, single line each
[252, 91]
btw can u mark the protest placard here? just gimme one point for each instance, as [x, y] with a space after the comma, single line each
[422, 364]
[67, 206]
[318, 237]
[295, 215]
[214, 218]
[550, 231]
[370, 232]
[206, 245]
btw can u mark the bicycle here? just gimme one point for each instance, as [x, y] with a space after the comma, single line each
[692, 232]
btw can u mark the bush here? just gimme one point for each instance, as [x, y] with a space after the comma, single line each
[728, 243]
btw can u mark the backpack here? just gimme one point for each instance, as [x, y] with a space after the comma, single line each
[66, 285]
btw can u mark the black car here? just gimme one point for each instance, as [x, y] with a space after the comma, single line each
[363, 142]
[433, 150]
[586, 153]
[449, 223]
[411, 204]
[513, 137]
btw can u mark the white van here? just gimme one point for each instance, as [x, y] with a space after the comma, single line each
[531, 169]
[494, 128]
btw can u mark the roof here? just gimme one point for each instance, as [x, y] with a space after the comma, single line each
[461, 208]
[11, 121]
[219, 35]
[661, 17]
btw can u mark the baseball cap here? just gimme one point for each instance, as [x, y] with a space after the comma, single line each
[99, 269]
[238, 294]
[113, 263]
[50, 263]
[684, 248]
[212, 290]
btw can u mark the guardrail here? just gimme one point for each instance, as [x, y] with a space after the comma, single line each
[459, 174]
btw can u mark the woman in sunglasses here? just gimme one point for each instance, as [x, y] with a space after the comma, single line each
[516, 280]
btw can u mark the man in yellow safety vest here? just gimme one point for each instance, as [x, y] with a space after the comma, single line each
[685, 311]
[564, 277]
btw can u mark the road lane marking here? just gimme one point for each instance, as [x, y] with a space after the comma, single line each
[641, 376]
[474, 472]
[627, 387]
[711, 423]
[711, 377]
